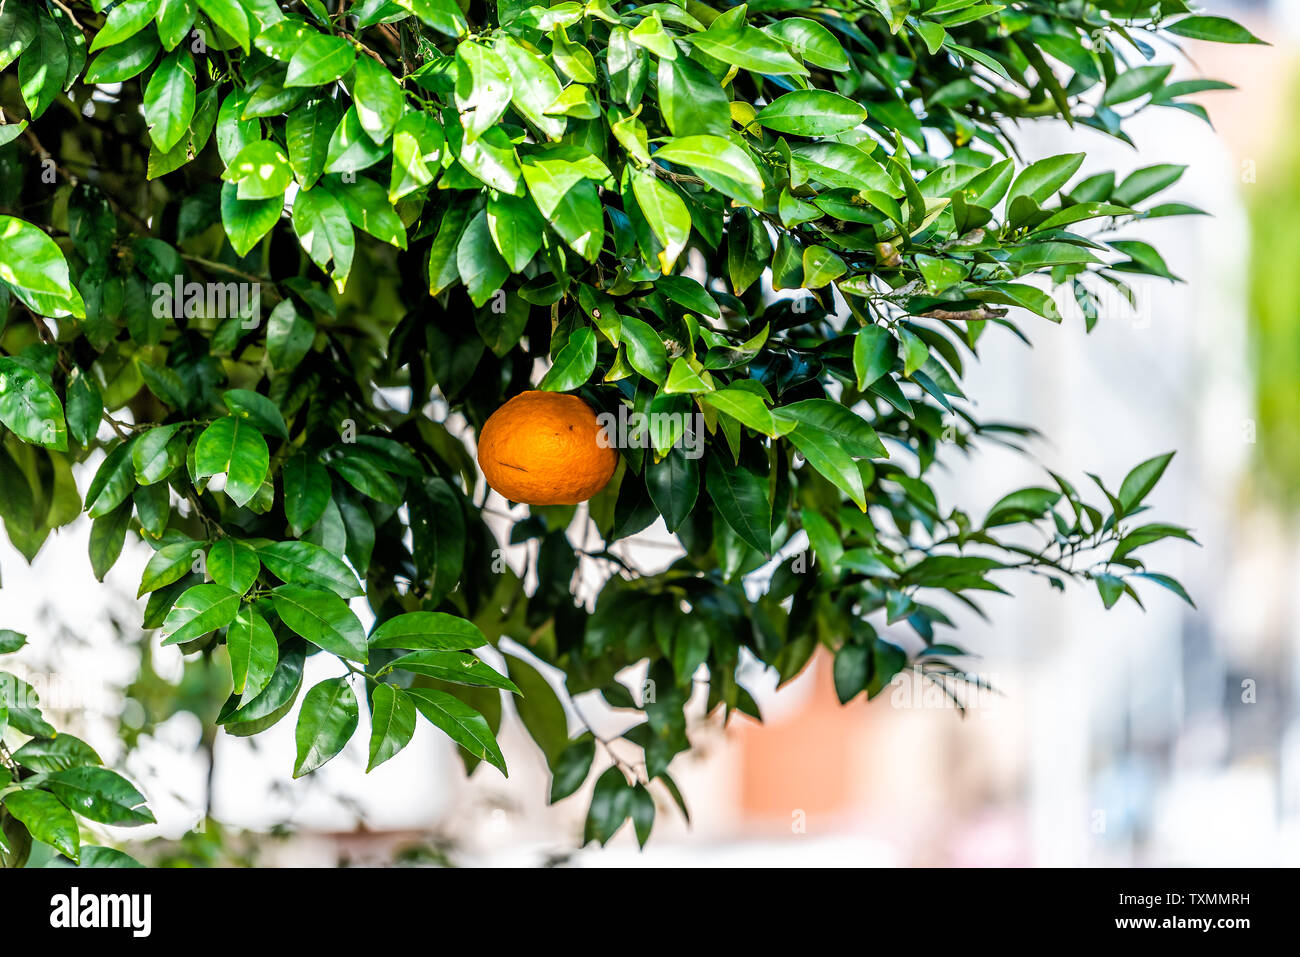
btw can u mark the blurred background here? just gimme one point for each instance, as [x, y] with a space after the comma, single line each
[1170, 737]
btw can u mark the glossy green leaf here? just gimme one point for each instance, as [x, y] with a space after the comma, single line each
[326, 722]
[233, 447]
[201, 609]
[169, 99]
[392, 723]
[99, 794]
[322, 618]
[811, 113]
[46, 818]
[461, 723]
[254, 653]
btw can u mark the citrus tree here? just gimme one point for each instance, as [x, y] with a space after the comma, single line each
[266, 268]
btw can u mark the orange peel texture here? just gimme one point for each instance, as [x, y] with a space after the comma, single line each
[543, 448]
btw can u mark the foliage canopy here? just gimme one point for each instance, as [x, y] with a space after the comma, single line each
[794, 220]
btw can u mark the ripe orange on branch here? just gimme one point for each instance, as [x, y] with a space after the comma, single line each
[545, 448]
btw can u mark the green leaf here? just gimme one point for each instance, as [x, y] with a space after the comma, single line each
[322, 618]
[261, 171]
[233, 564]
[574, 60]
[691, 99]
[516, 229]
[365, 475]
[1110, 588]
[575, 363]
[326, 723]
[258, 410]
[748, 48]
[431, 630]
[579, 219]
[821, 266]
[392, 723]
[645, 350]
[247, 221]
[812, 42]
[443, 15]
[571, 767]
[43, 67]
[158, 453]
[233, 447]
[683, 379]
[169, 99]
[535, 86]
[1135, 82]
[11, 641]
[1147, 534]
[351, 149]
[233, 132]
[915, 351]
[611, 805]
[34, 268]
[229, 17]
[113, 482]
[94, 856]
[201, 609]
[454, 666]
[378, 98]
[1139, 482]
[874, 351]
[304, 563]
[417, 149]
[731, 169]
[643, 814]
[46, 819]
[480, 266]
[539, 708]
[1146, 182]
[1165, 581]
[367, 206]
[1217, 29]
[461, 723]
[46, 756]
[741, 498]
[99, 794]
[1040, 180]
[253, 651]
[23, 712]
[841, 166]
[85, 407]
[667, 215]
[483, 88]
[830, 442]
[811, 113]
[306, 492]
[674, 485]
[323, 227]
[307, 136]
[852, 671]
[29, 407]
[267, 708]
[745, 407]
[18, 29]
[289, 335]
[169, 564]
[123, 61]
[175, 17]
[1025, 505]
[107, 536]
[843, 426]
[320, 59]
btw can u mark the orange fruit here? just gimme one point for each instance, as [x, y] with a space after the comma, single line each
[543, 448]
